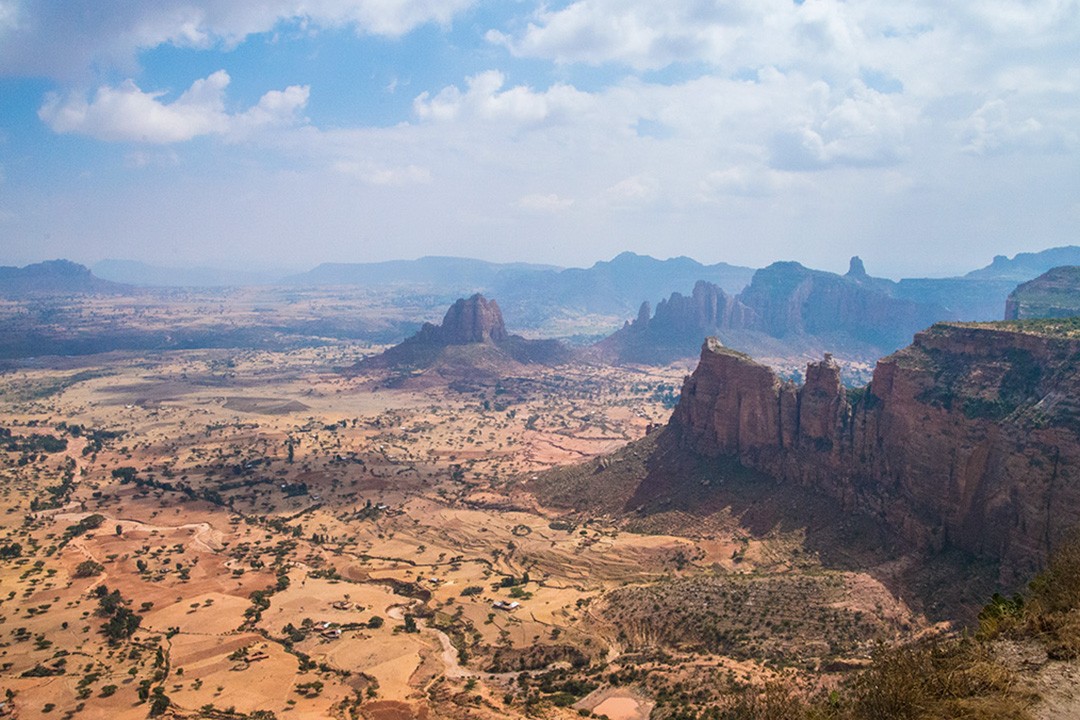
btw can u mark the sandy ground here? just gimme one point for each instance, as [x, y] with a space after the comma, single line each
[271, 473]
[617, 704]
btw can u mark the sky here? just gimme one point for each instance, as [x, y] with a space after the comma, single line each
[924, 136]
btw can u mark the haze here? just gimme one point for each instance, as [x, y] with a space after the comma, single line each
[925, 137]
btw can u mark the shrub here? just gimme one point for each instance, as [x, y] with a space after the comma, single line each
[88, 568]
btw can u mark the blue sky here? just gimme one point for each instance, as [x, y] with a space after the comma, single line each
[924, 136]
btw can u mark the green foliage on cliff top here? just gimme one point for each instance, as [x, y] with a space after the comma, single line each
[1068, 327]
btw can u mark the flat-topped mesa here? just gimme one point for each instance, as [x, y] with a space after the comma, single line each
[967, 439]
[473, 320]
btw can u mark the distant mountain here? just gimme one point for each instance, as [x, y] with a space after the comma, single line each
[534, 294]
[613, 287]
[134, 272]
[1025, 266]
[981, 294]
[1054, 294]
[787, 309]
[470, 344]
[439, 273]
[55, 277]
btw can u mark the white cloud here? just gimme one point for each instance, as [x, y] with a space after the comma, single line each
[128, 114]
[644, 35]
[485, 100]
[634, 190]
[992, 130]
[544, 203]
[67, 38]
[861, 127]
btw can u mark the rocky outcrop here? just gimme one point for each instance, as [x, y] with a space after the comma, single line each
[472, 338]
[789, 299]
[678, 326]
[785, 309]
[968, 439]
[1054, 294]
[472, 320]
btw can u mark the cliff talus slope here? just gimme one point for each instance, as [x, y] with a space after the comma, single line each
[968, 439]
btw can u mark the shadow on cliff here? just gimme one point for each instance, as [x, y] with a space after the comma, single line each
[657, 485]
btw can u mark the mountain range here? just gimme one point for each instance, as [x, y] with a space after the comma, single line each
[782, 311]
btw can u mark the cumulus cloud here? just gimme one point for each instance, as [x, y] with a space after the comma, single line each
[66, 38]
[128, 114]
[992, 130]
[484, 99]
[644, 35]
[862, 128]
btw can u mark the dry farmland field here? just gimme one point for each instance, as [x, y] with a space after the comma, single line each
[224, 533]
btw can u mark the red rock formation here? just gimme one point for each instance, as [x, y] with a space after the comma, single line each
[473, 320]
[471, 342]
[968, 439]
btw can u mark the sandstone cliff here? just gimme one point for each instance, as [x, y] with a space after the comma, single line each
[968, 439]
[1054, 294]
[472, 320]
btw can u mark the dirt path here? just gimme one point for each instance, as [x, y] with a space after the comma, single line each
[449, 656]
[205, 538]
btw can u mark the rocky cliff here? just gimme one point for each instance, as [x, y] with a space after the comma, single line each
[968, 439]
[472, 339]
[472, 320]
[786, 309]
[1054, 294]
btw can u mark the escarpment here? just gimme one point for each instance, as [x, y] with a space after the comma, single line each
[968, 439]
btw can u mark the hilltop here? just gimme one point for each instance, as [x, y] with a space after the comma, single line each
[55, 277]
[470, 343]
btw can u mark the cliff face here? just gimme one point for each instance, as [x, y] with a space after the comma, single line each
[473, 320]
[967, 439]
[472, 339]
[708, 306]
[785, 309]
[787, 298]
[1054, 294]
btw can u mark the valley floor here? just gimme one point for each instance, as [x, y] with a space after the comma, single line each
[257, 534]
